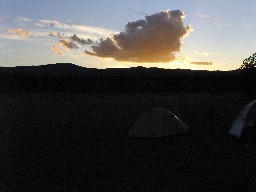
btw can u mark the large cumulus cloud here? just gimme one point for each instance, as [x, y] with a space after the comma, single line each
[155, 39]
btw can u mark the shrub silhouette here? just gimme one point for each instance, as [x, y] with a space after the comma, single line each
[249, 62]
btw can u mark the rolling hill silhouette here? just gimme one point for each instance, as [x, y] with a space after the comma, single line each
[71, 78]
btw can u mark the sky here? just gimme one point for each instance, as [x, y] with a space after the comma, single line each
[185, 34]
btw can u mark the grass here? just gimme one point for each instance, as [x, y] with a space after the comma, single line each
[58, 142]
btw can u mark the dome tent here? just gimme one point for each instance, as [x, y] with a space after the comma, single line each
[246, 119]
[158, 122]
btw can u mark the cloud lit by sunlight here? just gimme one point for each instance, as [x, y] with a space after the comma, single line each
[75, 27]
[204, 53]
[68, 44]
[20, 32]
[56, 34]
[152, 40]
[56, 50]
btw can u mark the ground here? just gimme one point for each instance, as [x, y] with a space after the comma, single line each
[58, 142]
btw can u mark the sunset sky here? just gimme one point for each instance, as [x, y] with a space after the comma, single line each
[186, 34]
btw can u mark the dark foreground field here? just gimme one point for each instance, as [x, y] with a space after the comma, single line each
[57, 142]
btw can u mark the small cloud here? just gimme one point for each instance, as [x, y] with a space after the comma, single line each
[20, 32]
[51, 23]
[81, 40]
[43, 23]
[68, 26]
[57, 50]
[40, 25]
[154, 39]
[222, 24]
[68, 44]
[74, 38]
[204, 53]
[40, 33]
[56, 34]
[137, 12]
[23, 19]
[203, 16]
[86, 29]
[201, 63]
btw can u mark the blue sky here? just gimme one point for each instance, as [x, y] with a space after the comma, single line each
[223, 31]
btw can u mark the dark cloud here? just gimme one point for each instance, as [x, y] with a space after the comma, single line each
[154, 39]
[68, 44]
[201, 63]
[81, 40]
[64, 40]
[71, 41]
[56, 34]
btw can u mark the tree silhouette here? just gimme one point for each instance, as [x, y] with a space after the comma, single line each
[249, 62]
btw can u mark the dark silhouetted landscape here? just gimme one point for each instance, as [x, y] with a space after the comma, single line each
[72, 79]
[65, 128]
